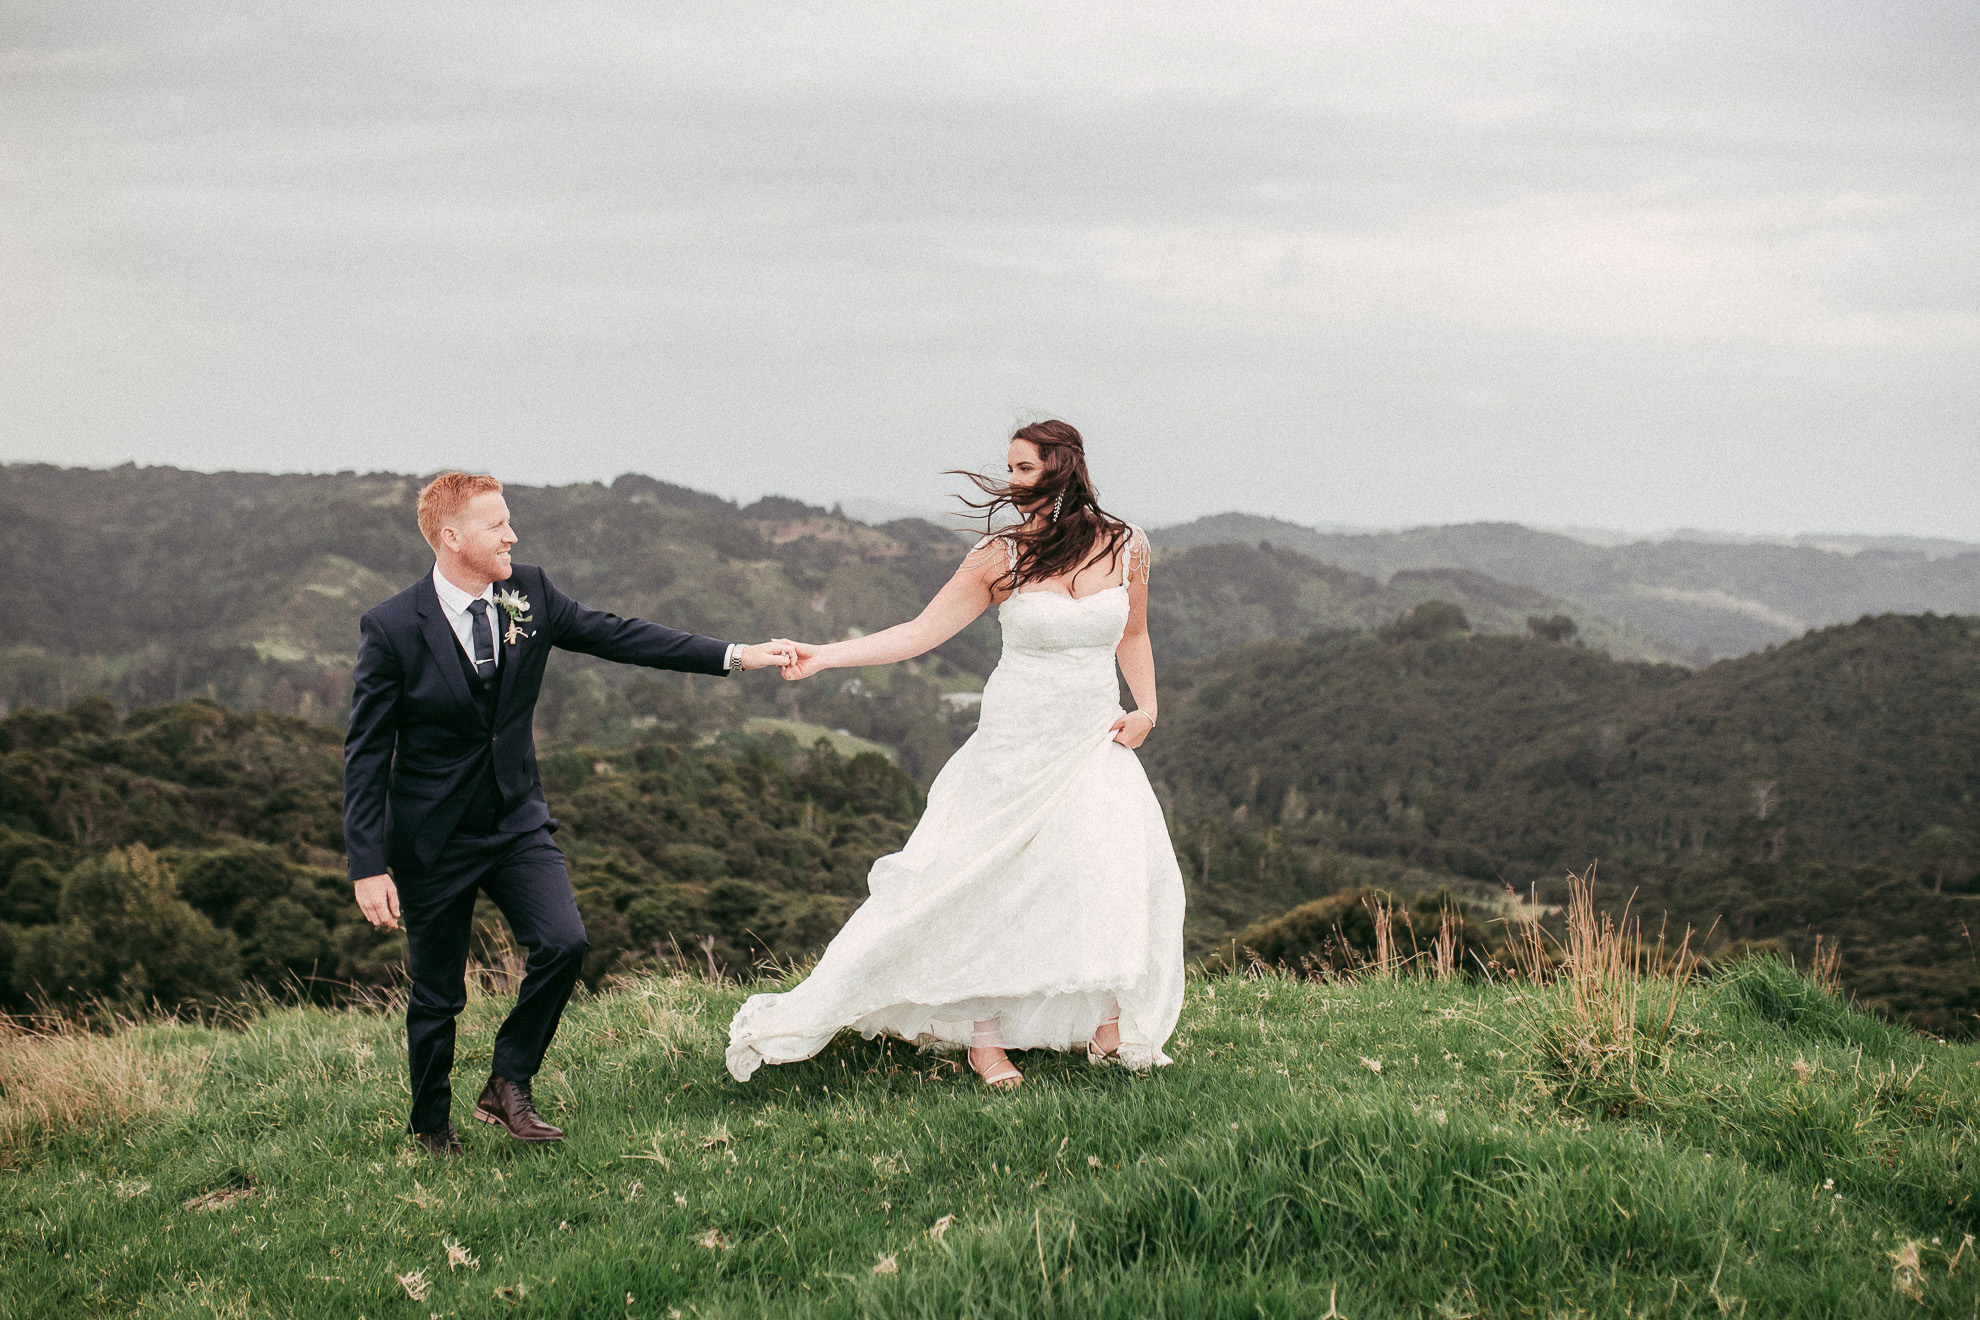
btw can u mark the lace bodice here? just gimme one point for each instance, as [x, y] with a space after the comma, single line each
[1054, 621]
[1055, 679]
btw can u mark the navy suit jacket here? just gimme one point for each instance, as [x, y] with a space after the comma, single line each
[418, 739]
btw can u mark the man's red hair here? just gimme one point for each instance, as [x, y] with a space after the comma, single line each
[445, 496]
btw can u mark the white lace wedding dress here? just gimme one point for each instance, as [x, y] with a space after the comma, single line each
[1040, 887]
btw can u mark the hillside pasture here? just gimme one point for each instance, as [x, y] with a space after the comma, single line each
[1381, 1147]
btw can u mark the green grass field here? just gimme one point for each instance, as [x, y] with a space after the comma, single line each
[1387, 1147]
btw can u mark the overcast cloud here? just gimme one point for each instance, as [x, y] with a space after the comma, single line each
[1624, 264]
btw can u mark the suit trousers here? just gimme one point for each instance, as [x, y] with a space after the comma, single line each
[524, 874]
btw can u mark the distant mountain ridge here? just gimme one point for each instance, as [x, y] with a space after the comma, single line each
[155, 584]
[1215, 596]
[1841, 543]
[1712, 599]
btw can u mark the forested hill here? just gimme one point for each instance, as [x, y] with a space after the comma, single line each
[1829, 786]
[1711, 598]
[186, 850]
[170, 573]
[1842, 745]
[152, 585]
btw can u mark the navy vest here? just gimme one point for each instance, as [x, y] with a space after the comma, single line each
[484, 807]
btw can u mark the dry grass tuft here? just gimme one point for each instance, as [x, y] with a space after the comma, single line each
[421, 1199]
[1617, 995]
[59, 1079]
[1825, 968]
[1386, 962]
[1906, 1272]
[498, 970]
[1445, 948]
[1342, 959]
[218, 1199]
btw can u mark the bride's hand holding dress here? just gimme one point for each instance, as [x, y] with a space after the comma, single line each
[1133, 728]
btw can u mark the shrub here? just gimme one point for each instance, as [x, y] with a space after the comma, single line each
[126, 937]
[1427, 622]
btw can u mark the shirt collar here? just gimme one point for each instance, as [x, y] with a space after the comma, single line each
[453, 598]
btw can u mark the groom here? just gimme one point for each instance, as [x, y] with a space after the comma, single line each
[441, 789]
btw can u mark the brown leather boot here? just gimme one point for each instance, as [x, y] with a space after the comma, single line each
[507, 1104]
[442, 1143]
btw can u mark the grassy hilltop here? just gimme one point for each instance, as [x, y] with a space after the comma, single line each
[1382, 1147]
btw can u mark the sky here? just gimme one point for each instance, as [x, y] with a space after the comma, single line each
[1609, 263]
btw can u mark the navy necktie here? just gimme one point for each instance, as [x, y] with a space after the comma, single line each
[484, 637]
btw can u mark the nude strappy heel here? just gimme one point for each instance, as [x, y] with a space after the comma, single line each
[1094, 1054]
[1000, 1072]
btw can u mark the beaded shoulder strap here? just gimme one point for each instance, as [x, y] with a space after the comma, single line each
[1010, 551]
[1140, 556]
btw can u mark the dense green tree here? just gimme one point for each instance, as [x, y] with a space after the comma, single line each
[1556, 628]
[1942, 853]
[1428, 621]
[33, 894]
[125, 936]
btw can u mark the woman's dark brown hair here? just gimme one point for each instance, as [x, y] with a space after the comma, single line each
[1081, 533]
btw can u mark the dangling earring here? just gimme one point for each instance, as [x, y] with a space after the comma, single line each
[1057, 500]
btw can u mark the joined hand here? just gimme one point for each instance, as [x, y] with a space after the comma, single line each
[805, 661]
[777, 651]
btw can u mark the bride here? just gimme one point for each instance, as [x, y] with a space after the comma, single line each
[1038, 904]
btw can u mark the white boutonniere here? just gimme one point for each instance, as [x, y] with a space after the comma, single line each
[516, 606]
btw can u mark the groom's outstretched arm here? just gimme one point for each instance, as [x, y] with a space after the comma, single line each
[577, 627]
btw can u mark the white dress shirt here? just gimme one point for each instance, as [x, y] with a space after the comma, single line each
[455, 603]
